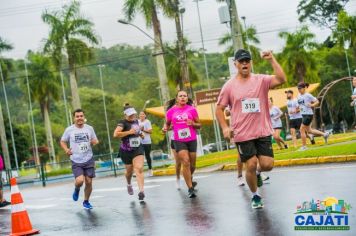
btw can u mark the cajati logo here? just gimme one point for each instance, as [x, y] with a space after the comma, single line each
[328, 214]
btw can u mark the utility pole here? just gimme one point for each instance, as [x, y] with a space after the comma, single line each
[235, 25]
[185, 81]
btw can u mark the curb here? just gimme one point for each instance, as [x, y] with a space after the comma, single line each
[304, 161]
[277, 163]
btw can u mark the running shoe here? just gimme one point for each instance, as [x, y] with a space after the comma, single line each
[76, 194]
[312, 140]
[141, 196]
[259, 180]
[191, 193]
[87, 205]
[178, 184]
[326, 137]
[130, 189]
[4, 203]
[240, 181]
[264, 177]
[194, 183]
[285, 146]
[256, 202]
[303, 148]
[150, 173]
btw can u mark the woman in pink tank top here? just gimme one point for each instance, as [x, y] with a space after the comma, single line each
[184, 121]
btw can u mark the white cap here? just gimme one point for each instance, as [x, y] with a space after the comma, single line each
[130, 111]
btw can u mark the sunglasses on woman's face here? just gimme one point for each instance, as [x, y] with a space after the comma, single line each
[242, 61]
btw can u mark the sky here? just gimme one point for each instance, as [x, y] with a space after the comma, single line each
[21, 24]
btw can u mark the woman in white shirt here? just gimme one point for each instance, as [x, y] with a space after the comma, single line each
[306, 103]
[276, 121]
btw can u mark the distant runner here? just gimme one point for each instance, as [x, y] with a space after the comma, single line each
[247, 95]
[276, 121]
[146, 128]
[184, 121]
[306, 103]
[131, 149]
[3, 202]
[81, 137]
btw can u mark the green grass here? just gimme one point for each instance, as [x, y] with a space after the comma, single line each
[64, 171]
[229, 156]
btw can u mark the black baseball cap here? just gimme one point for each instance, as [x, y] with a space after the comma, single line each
[242, 54]
[289, 91]
[302, 85]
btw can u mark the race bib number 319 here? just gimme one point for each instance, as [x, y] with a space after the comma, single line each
[250, 105]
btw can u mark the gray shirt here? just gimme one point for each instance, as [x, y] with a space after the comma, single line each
[146, 124]
[274, 113]
[79, 140]
[292, 106]
[304, 102]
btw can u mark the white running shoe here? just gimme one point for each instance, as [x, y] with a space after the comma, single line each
[326, 137]
[150, 173]
[303, 148]
[240, 181]
[178, 184]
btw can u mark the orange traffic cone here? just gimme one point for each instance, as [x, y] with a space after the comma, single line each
[20, 221]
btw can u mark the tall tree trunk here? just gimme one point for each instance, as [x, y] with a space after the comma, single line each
[4, 146]
[161, 67]
[235, 25]
[73, 84]
[49, 135]
[182, 52]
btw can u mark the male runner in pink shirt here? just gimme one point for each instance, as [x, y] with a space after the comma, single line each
[251, 129]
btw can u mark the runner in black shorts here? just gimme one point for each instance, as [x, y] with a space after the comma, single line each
[306, 103]
[131, 149]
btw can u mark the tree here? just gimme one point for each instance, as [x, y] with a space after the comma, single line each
[321, 12]
[70, 32]
[346, 31]
[45, 87]
[4, 46]
[148, 8]
[297, 59]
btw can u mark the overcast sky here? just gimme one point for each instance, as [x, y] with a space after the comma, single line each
[20, 23]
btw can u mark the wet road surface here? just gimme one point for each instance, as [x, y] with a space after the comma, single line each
[221, 208]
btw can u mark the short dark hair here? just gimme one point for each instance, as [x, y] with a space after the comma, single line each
[127, 106]
[77, 111]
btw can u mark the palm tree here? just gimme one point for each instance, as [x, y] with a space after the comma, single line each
[44, 86]
[148, 8]
[297, 59]
[4, 46]
[249, 40]
[70, 32]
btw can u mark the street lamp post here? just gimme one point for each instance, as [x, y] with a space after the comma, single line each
[145, 105]
[9, 117]
[346, 47]
[32, 120]
[247, 41]
[161, 69]
[215, 124]
[106, 118]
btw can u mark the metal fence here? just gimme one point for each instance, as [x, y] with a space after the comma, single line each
[105, 165]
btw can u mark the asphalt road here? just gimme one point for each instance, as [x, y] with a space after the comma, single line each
[221, 208]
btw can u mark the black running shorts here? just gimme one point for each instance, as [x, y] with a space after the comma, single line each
[128, 156]
[256, 147]
[190, 146]
[307, 119]
[295, 123]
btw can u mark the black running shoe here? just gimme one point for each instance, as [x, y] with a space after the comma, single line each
[285, 146]
[141, 196]
[194, 183]
[4, 203]
[191, 193]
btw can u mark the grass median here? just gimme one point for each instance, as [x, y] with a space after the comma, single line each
[340, 144]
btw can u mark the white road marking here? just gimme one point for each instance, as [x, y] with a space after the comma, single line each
[158, 180]
[122, 188]
[314, 168]
[37, 207]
